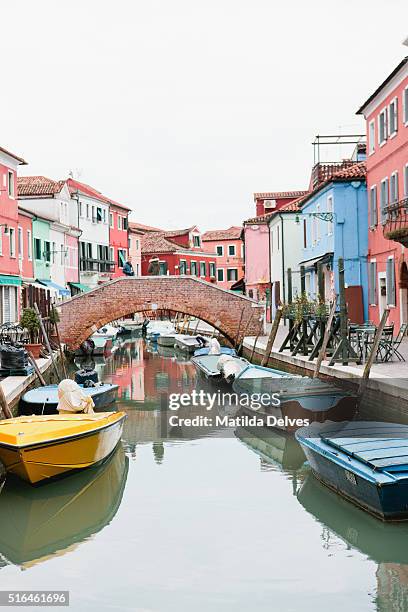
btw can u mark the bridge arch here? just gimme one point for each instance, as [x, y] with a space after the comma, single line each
[83, 314]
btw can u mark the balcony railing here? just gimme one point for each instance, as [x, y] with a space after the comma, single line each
[87, 264]
[322, 172]
[396, 224]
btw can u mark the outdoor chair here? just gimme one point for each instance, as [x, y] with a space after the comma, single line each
[389, 345]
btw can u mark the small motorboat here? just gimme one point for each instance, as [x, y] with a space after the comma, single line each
[166, 339]
[206, 365]
[107, 331]
[230, 367]
[44, 400]
[187, 343]
[365, 462]
[37, 448]
[224, 350]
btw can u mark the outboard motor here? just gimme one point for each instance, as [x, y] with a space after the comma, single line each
[85, 376]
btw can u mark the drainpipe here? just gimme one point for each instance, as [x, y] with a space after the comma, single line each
[270, 269]
[283, 260]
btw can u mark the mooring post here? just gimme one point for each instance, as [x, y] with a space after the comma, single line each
[326, 337]
[373, 353]
[47, 342]
[272, 336]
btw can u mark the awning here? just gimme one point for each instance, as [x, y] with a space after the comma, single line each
[10, 280]
[35, 285]
[238, 285]
[51, 285]
[322, 259]
[81, 287]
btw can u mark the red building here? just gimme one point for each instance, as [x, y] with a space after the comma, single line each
[268, 202]
[10, 280]
[118, 236]
[229, 247]
[179, 252]
[386, 114]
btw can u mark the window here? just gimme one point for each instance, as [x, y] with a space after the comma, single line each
[125, 223]
[104, 215]
[406, 180]
[10, 174]
[371, 137]
[12, 235]
[63, 254]
[212, 269]
[232, 274]
[121, 257]
[393, 117]
[99, 214]
[313, 228]
[405, 105]
[304, 234]
[317, 223]
[93, 215]
[373, 206]
[220, 275]
[47, 250]
[394, 187]
[54, 248]
[20, 245]
[137, 244]
[80, 209]
[37, 248]
[382, 127]
[89, 250]
[330, 210]
[183, 266]
[193, 268]
[196, 240]
[390, 282]
[8, 304]
[231, 250]
[111, 220]
[220, 250]
[119, 222]
[29, 246]
[203, 268]
[163, 268]
[87, 211]
[384, 200]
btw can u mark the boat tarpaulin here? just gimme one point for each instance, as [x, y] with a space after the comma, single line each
[51, 285]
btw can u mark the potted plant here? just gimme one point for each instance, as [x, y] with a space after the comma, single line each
[29, 321]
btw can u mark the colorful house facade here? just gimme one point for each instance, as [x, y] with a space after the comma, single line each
[118, 236]
[386, 115]
[179, 252]
[229, 247]
[10, 279]
[136, 233]
[333, 223]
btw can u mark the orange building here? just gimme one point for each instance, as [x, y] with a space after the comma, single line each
[229, 247]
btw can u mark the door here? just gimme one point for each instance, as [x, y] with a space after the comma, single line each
[382, 291]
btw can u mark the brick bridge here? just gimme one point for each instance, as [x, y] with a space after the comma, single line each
[83, 314]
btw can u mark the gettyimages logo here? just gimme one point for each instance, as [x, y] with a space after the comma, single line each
[223, 410]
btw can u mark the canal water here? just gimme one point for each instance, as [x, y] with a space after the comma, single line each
[203, 519]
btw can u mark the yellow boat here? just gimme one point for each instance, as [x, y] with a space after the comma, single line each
[36, 448]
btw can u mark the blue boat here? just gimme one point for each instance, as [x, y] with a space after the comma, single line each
[224, 351]
[44, 400]
[365, 462]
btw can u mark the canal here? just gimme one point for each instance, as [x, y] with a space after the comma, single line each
[201, 519]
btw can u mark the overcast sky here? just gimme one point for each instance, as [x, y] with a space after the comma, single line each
[181, 109]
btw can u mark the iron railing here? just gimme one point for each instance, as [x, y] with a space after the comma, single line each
[87, 264]
[396, 223]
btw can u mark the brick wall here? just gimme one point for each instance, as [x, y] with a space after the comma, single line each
[85, 313]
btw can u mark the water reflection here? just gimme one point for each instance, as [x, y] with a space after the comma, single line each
[384, 543]
[37, 522]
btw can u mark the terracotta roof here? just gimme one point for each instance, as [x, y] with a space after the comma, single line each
[357, 171]
[180, 232]
[38, 186]
[276, 195]
[383, 84]
[232, 233]
[154, 242]
[20, 160]
[118, 204]
[259, 219]
[139, 227]
[75, 186]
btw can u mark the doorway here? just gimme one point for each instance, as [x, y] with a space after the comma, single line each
[403, 284]
[382, 291]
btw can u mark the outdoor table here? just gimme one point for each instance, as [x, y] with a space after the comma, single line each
[363, 333]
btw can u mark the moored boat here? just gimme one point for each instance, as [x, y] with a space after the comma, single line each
[365, 462]
[166, 339]
[224, 350]
[37, 448]
[206, 365]
[44, 400]
[107, 331]
[187, 343]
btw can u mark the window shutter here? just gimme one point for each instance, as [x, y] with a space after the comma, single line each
[373, 283]
[373, 206]
[390, 283]
[396, 114]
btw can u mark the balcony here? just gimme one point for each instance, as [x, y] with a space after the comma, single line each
[396, 225]
[87, 264]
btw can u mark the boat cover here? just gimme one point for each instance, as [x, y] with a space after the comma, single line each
[71, 398]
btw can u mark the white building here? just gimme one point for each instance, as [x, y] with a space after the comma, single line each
[286, 248]
[93, 221]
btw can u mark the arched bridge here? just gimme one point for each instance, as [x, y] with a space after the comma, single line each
[228, 312]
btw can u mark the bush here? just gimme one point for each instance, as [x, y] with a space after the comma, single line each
[29, 321]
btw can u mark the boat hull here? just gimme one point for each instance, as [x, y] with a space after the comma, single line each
[165, 341]
[387, 502]
[102, 396]
[47, 460]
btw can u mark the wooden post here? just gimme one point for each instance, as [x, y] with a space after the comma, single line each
[326, 337]
[343, 311]
[290, 290]
[196, 327]
[261, 324]
[59, 345]
[239, 328]
[272, 336]
[36, 368]
[4, 405]
[302, 280]
[47, 342]
[373, 353]
[244, 333]
[320, 281]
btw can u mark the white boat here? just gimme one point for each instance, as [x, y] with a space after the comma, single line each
[107, 331]
[166, 339]
[187, 343]
[159, 327]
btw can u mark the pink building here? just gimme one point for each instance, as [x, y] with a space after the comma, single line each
[229, 246]
[386, 114]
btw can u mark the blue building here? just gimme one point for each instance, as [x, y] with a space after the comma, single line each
[334, 216]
